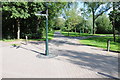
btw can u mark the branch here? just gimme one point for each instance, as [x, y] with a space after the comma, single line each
[101, 13]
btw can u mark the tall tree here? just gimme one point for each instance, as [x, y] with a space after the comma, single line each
[89, 24]
[23, 13]
[59, 23]
[73, 18]
[94, 6]
[85, 14]
[17, 10]
[115, 18]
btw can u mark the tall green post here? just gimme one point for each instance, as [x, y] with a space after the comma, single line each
[47, 50]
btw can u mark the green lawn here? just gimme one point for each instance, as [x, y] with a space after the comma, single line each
[10, 40]
[73, 34]
[103, 34]
[101, 42]
[50, 36]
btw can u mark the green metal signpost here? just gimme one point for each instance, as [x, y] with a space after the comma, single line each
[40, 13]
[47, 50]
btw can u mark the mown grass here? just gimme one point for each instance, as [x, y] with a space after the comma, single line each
[73, 34]
[102, 42]
[50, 37]
[10, 40]
[103, 34]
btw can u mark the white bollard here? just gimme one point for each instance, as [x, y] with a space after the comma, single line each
[26, 40]
[108, 45]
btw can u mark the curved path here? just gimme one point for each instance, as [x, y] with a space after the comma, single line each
[74, 60]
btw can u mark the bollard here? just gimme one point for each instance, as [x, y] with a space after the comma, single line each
[26, 40]
[108, 45]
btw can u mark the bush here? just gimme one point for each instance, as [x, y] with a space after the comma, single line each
[34, 36]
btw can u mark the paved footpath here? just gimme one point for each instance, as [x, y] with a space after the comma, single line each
[74, 60]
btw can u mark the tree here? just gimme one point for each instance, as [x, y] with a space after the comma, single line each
[71, 15]
[17, 11]
[23, 13]
[94, 6]
[103, 25]
[85, 14]
[89, 24]
[59, 23]
[115, 18]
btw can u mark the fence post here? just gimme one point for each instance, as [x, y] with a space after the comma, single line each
[26, 40]
[108, 45]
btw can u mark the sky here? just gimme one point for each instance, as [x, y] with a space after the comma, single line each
[81, 5]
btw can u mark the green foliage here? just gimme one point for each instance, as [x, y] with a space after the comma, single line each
[94, 7]
[29, 23]
[89, 24]
[73, 20]
[15, 45]
[103, 24]
[16, 9]
[50, 37]
[115, 14]
[59, 23]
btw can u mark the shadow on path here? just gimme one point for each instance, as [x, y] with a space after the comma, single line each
[102, 63]
[109, 76]
[29, 50]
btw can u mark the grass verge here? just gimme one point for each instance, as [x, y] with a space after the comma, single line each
[102, 42]
[10, 40]
[73, 34]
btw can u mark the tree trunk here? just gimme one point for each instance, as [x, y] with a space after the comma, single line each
[79, 33]
[114, 22]
[18, 29]
[68, 31]
[13, 29]
[93, 21]
[37, 28]
[75, 32]
[114, 32]
[83, 30]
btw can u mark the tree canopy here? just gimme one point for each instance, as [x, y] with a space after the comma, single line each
[20, 18]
